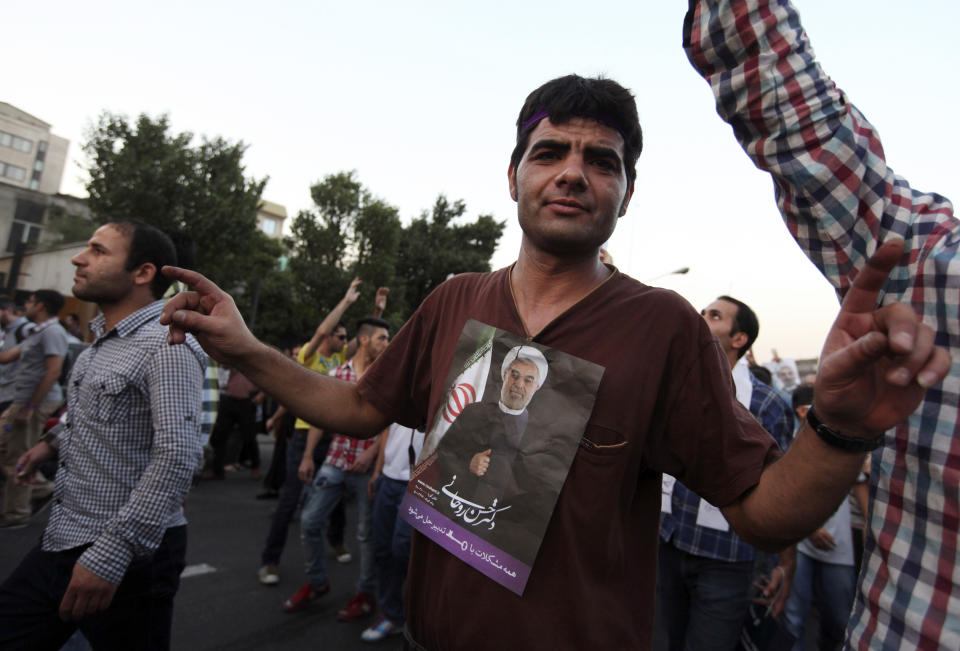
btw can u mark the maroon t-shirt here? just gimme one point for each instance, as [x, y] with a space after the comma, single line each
[665, 404]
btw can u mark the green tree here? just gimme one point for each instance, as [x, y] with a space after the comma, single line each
[142, 171]
[69, 227]
[349, 233]
[433, 246]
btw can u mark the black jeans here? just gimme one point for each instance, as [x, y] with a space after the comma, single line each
[290, 498]
[239, 412]
[139, 617]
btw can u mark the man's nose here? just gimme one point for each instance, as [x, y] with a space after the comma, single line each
[573, 173]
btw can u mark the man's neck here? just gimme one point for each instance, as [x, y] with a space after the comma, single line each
[545, 285]
[732, 358]
[114, 313]
[361, 361]
[39, 318]
[326, 348]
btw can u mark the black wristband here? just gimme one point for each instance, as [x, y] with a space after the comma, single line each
[834, 438]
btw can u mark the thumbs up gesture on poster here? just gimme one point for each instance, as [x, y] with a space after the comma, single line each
[480, 462]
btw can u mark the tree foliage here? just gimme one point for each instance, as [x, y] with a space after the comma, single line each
[142, 171]
[433, 246]
[351, 233]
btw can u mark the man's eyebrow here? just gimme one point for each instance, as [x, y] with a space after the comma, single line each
[549, 144]
[603, 152]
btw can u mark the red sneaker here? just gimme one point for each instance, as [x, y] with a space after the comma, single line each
[359, 606]
[303, 596]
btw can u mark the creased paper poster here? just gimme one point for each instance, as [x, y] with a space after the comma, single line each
[499, 450]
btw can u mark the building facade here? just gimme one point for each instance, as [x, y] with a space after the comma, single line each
[30, 156]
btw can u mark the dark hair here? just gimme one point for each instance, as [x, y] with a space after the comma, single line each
[802, 395]
[762, 373]
[367, 325]
[183, 245]
[573, 96]
[745, 322]
[148, 244]
[51, 300]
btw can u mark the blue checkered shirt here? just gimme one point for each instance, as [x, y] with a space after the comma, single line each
[680, 527]
[840, 200]
[129, 446]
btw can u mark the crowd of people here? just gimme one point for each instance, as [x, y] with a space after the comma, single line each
[754, 486]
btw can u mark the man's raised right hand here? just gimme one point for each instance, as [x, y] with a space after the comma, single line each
[209, 314]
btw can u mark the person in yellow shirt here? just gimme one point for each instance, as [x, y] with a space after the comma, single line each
[327, 349]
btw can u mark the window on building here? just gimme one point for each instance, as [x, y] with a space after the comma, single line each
[34, 184]
[29, 211]
[268, 226]
[38, 165]
[42, 146]
[16, 142]
[14, 172]
[19, 230]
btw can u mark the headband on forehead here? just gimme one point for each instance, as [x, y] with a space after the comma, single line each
[599, 117]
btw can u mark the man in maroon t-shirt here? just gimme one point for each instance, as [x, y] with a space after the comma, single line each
[572, 175]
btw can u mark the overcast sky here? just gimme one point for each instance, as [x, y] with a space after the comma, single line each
[421, 98]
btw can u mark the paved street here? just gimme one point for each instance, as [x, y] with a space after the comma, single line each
[227, 608]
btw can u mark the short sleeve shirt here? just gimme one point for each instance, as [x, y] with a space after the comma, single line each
[665, 404]
[47, 339]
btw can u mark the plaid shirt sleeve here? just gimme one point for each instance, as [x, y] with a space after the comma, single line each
[174, 380]
[840, 200]
[773, 412]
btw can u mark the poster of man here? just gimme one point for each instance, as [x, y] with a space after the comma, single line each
[499, 450]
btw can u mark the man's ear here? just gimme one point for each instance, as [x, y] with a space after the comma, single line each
[626, 200]
[739, 340]
[144, 274]
[512, 179]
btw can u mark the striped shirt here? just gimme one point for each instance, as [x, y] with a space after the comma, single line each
[840, 199]
[130, 445]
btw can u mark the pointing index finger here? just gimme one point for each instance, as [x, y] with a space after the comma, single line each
[862, 296]
[196, 281]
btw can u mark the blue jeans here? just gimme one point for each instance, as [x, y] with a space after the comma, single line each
[290, 497]
[391, 545]
[701, 602]
[330, 486]
[833, 587]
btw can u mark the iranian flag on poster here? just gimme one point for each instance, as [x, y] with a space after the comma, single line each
[466, 388]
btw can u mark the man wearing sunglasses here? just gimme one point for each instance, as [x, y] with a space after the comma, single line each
[326, 350]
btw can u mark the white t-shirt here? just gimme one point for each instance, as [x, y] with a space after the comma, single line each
[396, 457]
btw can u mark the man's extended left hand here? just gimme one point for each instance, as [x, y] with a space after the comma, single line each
[86, 594]
[876, 364]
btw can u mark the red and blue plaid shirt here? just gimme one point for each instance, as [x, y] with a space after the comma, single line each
[840, 200]
[344, 450]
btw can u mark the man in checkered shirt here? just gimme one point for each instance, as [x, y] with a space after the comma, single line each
[840, 200]
[111, 556]
[705, 569]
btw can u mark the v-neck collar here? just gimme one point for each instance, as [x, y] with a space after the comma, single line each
[516, 309]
